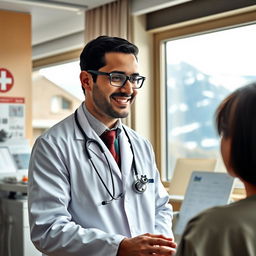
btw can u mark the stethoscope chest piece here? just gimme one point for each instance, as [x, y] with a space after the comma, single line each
[140, 185]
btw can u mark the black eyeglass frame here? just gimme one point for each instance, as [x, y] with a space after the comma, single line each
[130, 78]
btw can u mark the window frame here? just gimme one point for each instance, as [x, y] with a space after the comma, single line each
[56, 59]
[212, 23]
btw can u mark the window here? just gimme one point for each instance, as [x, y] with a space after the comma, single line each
[65, 76]
[57, 93]
[200, 71]
[66, 104]
[197, 64]
[59, 103]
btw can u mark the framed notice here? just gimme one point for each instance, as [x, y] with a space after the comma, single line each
[12, 118]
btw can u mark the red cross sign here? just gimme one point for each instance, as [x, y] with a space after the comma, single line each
[6, 80]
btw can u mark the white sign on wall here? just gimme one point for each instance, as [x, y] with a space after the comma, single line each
[6, 80]
[12, 118]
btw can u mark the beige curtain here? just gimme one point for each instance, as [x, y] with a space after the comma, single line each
[112, 19]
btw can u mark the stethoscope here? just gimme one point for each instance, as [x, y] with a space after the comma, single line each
[139, 184]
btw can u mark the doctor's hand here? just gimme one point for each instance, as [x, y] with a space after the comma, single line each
[147, 244]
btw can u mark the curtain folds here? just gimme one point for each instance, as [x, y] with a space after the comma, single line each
[112, 19]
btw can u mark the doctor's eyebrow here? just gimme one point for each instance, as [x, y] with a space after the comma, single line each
[122, 72]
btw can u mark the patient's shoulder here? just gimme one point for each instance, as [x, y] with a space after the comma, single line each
[224, 216]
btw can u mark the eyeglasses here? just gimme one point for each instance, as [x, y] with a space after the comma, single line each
[118, 79]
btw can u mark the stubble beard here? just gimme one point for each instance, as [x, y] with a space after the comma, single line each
[104, 106]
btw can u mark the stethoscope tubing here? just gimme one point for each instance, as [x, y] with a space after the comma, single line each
[89, 141]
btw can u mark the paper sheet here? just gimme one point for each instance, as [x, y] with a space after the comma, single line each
[205, 190]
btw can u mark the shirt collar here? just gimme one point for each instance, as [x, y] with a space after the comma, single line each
[98, 126]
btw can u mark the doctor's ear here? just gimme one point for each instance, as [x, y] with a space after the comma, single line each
[86, 80]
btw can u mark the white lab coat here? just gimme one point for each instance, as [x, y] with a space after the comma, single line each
[65, 193]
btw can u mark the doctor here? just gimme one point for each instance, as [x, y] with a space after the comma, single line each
[89, 198]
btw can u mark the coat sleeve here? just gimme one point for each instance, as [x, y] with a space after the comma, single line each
[52, 230]
[163, 211]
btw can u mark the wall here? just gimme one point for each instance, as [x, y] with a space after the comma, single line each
[144, 105]
[15, 55]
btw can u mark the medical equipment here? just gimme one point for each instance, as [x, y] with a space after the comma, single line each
[14, 229]
[14, 225]
[139, 184]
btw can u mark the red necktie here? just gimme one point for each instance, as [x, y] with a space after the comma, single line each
[108, 138]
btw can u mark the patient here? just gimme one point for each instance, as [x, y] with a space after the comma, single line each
[231, 229]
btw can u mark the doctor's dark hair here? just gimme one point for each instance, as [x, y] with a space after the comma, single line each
[93, 54]
[236, 120]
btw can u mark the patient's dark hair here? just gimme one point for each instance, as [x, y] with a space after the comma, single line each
[236, 119]
[93, 54]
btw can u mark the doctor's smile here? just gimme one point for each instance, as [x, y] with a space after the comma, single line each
[122, 99]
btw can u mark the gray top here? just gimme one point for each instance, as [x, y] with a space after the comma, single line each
[228, 230]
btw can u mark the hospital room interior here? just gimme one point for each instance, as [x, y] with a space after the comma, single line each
[192, 53]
